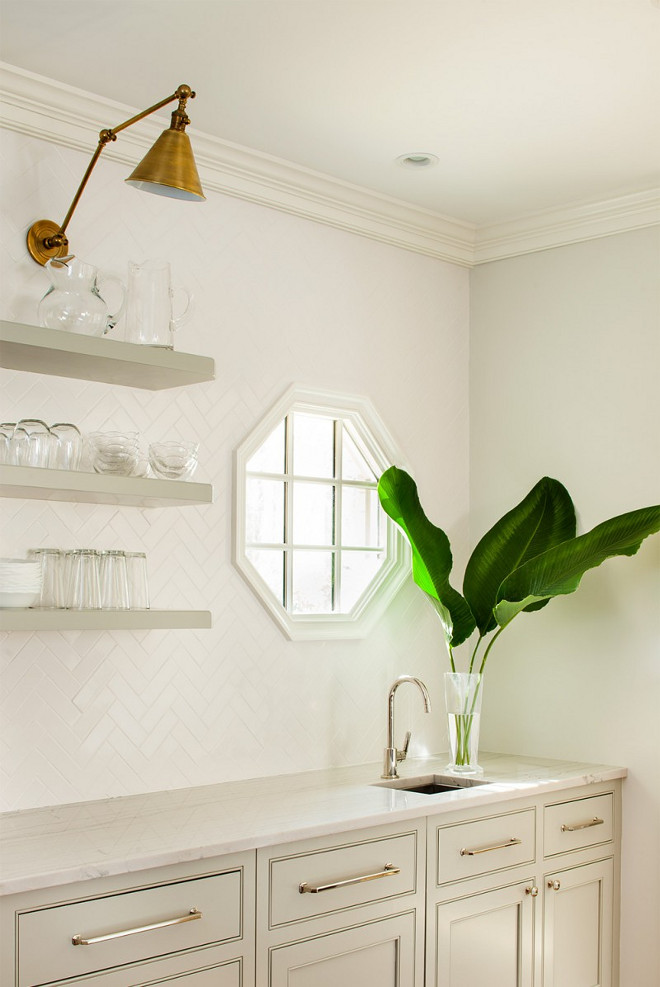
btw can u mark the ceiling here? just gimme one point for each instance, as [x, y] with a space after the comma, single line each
[527, 104]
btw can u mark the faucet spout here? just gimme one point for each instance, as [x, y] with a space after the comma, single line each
[392, 755]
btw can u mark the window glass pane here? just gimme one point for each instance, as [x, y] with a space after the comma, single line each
[313, 445]
[269, 457]
[270, 566]
[354, 465]
[362, 520]
[357, 571]
[312, 582]
[264, 511]
[313, 513]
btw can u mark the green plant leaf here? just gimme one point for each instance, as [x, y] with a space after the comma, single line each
[544, 518]
[560, 569]
[431, 553]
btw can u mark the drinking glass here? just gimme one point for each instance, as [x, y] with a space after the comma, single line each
[6, 434]
[66, 446]
[138, 589]
[113, 581]
[31, 443]
[84, 591]
[52, 577]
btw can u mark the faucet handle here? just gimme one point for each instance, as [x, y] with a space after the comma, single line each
[403, 753]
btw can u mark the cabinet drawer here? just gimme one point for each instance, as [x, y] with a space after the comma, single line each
[329, 879]
[122, 925]
[483, 845]
[577, 824]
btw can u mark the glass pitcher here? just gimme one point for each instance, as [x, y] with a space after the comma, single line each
[73, 302]
[150, 318]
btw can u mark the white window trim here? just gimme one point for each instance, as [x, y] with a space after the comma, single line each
[382, 447]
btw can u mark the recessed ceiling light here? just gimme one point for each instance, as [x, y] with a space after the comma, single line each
[417, 160]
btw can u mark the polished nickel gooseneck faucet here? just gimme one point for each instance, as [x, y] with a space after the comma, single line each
[392, 755]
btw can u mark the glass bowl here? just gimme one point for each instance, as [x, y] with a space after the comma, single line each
[173, 460]
[114, 452]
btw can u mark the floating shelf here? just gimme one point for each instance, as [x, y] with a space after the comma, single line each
[102, 620]
[35, 483]
[70, 354]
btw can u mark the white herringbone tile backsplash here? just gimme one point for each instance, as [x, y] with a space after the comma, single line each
[277, 299]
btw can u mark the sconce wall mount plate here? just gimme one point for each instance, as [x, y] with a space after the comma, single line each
[45, 241]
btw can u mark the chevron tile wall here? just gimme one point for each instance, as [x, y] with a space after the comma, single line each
[278, 300]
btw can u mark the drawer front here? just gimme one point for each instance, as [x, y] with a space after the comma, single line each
[472, 848]
[307, 885]
[46, 951]
[226, 975]
[578, 824]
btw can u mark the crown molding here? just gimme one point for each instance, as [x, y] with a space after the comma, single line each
[39, 107]
[572, 224]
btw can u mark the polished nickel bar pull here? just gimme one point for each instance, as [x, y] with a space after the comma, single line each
[592, 822]
[514, 841]
[192, 914]
[387, 870]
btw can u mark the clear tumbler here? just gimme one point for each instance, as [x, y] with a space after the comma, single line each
[114, 582]
[84, 592]
[52, 577]
[31, 443]
[66, 447]
[6, 447]
[138, 589]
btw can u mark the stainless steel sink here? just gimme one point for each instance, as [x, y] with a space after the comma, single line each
[431, 784]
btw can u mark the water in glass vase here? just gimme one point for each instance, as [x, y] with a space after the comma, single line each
[464, 743]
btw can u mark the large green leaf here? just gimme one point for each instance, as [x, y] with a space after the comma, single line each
[544, 518]
[560, 569]
[431, 553]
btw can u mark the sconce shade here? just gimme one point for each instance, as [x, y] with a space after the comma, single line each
[169, 169]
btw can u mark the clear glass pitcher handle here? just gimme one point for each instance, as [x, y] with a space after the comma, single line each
[112, 318]
[178, 320]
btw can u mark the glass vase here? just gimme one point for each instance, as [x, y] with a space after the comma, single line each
[463, 699]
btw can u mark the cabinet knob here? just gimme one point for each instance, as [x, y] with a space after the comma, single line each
[555, 885]
[532, 892]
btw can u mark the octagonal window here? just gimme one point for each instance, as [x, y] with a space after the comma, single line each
[311, 537]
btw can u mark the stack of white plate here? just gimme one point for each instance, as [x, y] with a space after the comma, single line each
[20, 582]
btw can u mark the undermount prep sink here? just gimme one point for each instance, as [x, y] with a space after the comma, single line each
[431, 784]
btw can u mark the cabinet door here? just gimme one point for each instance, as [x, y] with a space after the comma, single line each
[485, 939]
[578, 926]
[380, 953]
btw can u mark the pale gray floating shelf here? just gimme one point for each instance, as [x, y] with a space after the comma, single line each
[69, 354]
[33, 483]
[102, 620]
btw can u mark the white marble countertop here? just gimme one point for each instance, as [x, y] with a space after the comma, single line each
[56, 845]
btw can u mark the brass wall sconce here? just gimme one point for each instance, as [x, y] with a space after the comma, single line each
[167, 169]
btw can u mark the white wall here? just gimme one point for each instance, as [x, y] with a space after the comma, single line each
[278, 299]
[564, 366]
[565, 354]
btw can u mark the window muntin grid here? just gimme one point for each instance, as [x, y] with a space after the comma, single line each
[313, 483]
